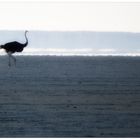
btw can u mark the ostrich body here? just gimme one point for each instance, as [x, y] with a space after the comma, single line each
[12, 47]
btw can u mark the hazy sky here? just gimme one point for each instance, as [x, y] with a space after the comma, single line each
[68, 16]
[75, 42]
[99, 18]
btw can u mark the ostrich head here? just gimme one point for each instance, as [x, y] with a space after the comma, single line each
[26, 31]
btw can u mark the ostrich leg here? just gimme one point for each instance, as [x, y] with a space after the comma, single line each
[14, 59]
[11, 56]
[9, 59]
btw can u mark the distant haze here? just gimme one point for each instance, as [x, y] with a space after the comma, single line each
[75, 43]
[72, 28]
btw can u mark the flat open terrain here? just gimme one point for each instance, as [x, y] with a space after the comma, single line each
[48, 96]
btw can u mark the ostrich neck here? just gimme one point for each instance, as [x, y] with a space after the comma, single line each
[26, 43]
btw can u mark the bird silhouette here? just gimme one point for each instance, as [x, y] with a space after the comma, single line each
[12, 47]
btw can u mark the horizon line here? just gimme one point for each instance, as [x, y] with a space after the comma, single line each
[79, 55]
[95, 31]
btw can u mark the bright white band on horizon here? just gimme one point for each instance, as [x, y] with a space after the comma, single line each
[72, 52]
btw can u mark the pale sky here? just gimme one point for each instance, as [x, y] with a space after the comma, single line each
[70, 16]
[99, 18]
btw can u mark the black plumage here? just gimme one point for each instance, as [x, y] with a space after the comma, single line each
[12, 47]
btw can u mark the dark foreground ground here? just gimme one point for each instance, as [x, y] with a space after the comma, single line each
[70, 97]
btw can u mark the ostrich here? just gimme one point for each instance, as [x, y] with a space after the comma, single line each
[13, 47]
